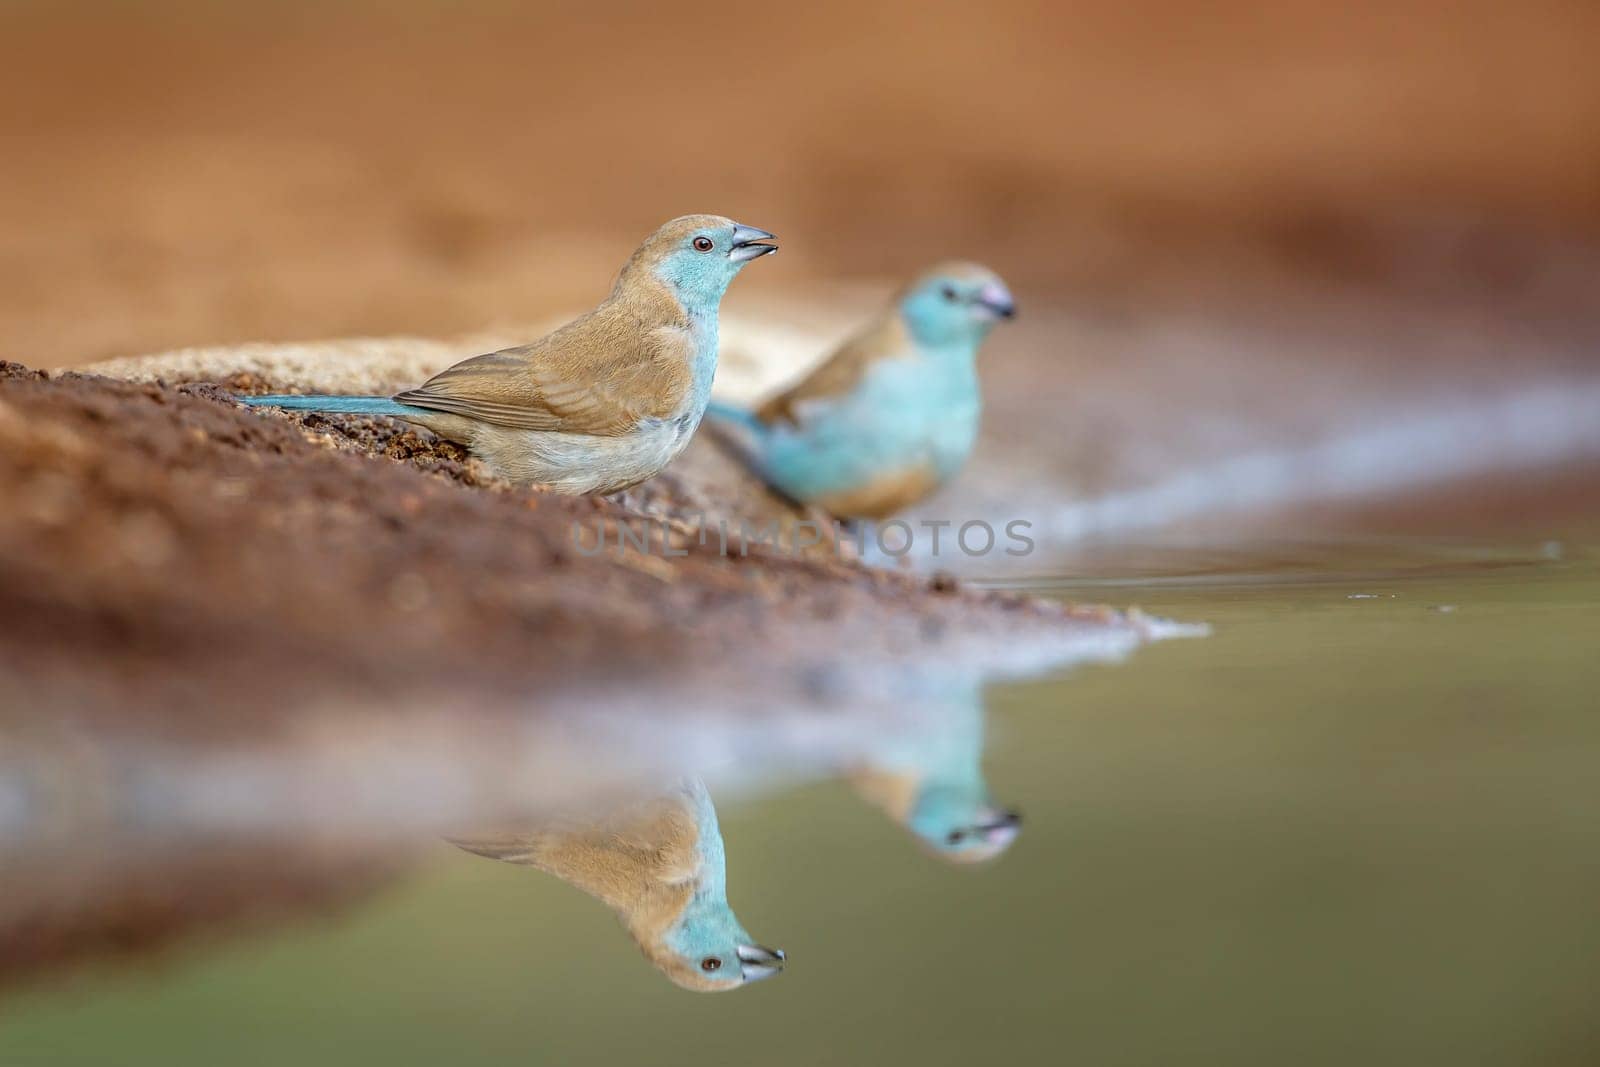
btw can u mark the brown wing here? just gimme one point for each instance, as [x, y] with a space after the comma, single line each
[840, 372]
[609, 854]
[595, 376]
[507, 846]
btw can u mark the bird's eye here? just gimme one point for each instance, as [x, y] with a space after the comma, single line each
[949, 293]
[955, 837]
[703, 244]
[710, 963]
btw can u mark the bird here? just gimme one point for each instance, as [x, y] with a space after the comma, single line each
[891, 414]
[661, 866]
[607, 400]
[932, 783]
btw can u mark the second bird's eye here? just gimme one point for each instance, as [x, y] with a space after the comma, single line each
[703, 244]
[955, 837]
[949, 293]
[710, 963]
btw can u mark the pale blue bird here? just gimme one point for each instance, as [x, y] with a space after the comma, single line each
[661, 866]
[931, 782]
[604, 402]
[892, 414]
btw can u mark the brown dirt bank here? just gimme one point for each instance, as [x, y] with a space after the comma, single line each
[61, 909]
[184, 546]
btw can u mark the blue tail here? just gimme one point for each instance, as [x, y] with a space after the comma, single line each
[736, 417]
[355, 405]
[744, 436]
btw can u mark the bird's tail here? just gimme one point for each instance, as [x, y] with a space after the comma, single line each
[732, 417]
[744, 436]
[354, 405]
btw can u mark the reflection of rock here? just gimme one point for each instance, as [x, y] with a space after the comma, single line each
[70, 905]
[661, 867]
[930, 781]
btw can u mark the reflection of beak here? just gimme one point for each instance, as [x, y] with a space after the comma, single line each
[756, 963]
[994, 302]
[745, 246]
[987, 839]
[1002, 829]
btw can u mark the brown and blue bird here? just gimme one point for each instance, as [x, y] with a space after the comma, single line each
[604, 402]
[889, 416]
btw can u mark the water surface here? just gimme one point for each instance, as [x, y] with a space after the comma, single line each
[1357, 823]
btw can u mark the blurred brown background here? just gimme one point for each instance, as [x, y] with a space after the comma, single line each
[183, 173]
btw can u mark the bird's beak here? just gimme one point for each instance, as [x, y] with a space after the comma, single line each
[746, 246]
[994, 302]
[756, 963]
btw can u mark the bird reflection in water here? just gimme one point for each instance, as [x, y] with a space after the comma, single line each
[660, 865]
[931, 782]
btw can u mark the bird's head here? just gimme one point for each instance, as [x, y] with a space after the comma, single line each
[696, 256]
[955, 303]
[960, 824]
[946, 808]
[706, 949]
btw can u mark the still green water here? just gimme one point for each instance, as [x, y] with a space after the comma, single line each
[1360, 823]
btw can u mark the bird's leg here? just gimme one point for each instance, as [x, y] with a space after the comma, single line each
[848, 533]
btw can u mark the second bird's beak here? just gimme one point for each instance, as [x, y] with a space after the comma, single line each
[756, 963]
[994, 301]
[746, 246]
